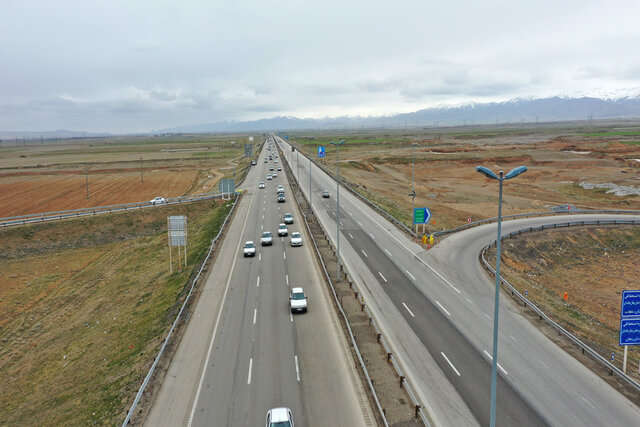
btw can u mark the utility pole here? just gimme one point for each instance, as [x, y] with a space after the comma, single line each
[86, 178]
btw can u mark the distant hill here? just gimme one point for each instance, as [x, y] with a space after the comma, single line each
[8, 136]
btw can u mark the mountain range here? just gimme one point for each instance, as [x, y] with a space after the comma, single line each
[512, 111]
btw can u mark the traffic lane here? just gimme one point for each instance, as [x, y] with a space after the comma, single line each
[462, 364]
[174, 401]
[324, 358]
[545, 364]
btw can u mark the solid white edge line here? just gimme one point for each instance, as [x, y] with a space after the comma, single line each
[491, 359]
[215, 328]
[405, 306]
[372, 236]
[388, 252]
[250, 366]
[383, 278]
[449, 362]
[255, 313]
[404, 246]
[365, 254]
[297, 369]
[410, 275]
[443, 309]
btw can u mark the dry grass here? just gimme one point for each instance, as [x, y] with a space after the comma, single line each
[83, 311]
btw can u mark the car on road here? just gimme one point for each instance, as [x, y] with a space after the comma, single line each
[253, 162]
[282, 230]
[270, 168]
[279, 417]
[275, 161]
[297, 300]
[325, 194]
[249, 248]
[158, 201]
[288, 218]
[281, 198]
[280, 188]
[266, 239]
[274, 175]
[265, 160]
[261, 185]
[296, 239]
[269, 177]
[279, 169]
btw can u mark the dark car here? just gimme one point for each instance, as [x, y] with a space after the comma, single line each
[325, 194]
[281, 198]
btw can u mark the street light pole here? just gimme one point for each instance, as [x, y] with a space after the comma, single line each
[338, 144]
[310, 195]
[413, 183]
[298, 166]
[494, 361]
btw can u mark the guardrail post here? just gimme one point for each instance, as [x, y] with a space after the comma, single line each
[401, 380]
[417, 413]
[379, 336]
[388, 357]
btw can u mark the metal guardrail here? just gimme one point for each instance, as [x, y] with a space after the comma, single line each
[585, 348]
[52, 216]
[420, 412]
[175, 322]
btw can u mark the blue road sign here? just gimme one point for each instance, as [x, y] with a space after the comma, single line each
[321, 152]
[630, 331]
[630, 303]
[287, 137]
[421, 215]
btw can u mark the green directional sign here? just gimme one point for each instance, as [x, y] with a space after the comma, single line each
[421, 215]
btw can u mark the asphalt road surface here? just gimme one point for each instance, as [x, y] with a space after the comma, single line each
[436, 309]
[243, 351]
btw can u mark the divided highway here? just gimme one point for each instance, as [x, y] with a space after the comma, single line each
[436, 308]
[243, 351]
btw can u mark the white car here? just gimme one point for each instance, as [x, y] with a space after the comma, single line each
[280, 188]
[296, 239]
[297, 300]
[279, 417]
[266, 239]
[249, 248]
[269, 177]
[288, 218]
[282, 230]
[261, 185]
[275, 175]
[158, 201]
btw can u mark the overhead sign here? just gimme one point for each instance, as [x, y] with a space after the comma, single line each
[630, 303]
[321, 152]
[421, 215]
[630, 331]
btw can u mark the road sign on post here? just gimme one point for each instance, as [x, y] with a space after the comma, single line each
[629, 322]
[321, 151]
[421, 215]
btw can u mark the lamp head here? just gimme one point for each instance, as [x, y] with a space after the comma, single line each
[515, 172]
[486, 171]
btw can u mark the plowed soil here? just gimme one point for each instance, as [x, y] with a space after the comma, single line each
[22, 194]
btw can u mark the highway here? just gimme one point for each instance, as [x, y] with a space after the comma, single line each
[243, 351]
[436, 309]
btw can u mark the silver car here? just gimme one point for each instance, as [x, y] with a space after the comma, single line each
[296, 239]
[266, 239]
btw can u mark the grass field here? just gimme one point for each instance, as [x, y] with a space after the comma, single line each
[83, 309]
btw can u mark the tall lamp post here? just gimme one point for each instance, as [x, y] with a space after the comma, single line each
[413, 183]
[494, 365]
[338, 144]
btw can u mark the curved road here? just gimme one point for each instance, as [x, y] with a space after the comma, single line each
[436, 309]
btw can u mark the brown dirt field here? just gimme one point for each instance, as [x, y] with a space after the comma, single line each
[26, 194]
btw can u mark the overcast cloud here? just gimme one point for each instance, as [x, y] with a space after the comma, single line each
[136, 65]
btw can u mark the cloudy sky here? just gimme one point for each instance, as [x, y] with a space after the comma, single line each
[136, 65]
